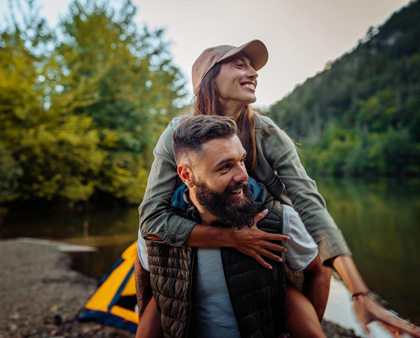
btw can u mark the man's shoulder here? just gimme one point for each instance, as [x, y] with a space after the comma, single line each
[274, 219]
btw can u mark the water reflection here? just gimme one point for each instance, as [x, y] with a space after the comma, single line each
[380, 220]
[111, 231]
[101, 223]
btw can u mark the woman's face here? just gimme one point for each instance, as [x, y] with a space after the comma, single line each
[236, 82]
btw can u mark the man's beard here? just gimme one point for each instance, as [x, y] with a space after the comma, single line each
[233, 215]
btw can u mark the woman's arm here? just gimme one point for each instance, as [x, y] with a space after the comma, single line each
[250, 241]
[277, 152]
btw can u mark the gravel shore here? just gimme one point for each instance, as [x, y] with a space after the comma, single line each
[40, 296]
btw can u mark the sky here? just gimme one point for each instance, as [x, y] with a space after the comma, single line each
[301, 35]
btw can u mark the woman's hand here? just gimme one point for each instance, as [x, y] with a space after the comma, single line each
[369, 310]
[366, 307]
[257, 243]
[250, 241]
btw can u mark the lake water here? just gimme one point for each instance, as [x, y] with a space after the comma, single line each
[380, 220]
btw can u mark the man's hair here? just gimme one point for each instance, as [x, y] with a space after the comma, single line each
[193, 131]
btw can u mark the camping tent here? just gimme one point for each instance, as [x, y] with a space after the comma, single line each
[115, 302]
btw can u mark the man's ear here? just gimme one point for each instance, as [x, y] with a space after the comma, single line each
[185, 172]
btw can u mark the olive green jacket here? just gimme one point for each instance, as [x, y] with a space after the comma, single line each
[279, 169]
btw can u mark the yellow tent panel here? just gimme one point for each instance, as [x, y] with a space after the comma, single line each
[115, 302]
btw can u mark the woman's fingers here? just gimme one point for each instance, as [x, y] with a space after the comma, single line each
[260, 260]
[260, 216]
[268, 236]
[270, 255]
[259, 244]
[369, 310]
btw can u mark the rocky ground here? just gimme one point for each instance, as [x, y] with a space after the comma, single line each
[40, 296]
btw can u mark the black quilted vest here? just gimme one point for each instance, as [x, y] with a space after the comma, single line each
[257, 294]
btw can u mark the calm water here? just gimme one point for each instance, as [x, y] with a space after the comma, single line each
[380, 220]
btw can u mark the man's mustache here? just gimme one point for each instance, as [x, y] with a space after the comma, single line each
[236, 186]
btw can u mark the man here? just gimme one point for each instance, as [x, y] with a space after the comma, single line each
[212, 292]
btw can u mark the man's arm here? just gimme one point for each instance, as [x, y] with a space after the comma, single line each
[149, 318]
[143, 288]
[316, 285]
[149, 324]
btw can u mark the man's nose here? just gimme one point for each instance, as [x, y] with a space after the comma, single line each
[241, 175]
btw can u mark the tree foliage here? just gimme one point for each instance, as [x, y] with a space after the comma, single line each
[80, 110]
[361, 115]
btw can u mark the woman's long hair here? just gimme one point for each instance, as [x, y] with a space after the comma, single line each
[207, 103]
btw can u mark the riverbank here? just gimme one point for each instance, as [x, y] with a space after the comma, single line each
[40, 295]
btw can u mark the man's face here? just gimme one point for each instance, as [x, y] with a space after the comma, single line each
[219, 177]
[233, 215]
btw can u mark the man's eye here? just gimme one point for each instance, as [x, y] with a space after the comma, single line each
[225, 167]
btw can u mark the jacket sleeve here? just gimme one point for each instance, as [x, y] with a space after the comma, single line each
[282, 156]
[155, 215]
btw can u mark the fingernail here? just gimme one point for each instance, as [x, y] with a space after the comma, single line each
[280, 260]
[265, 211]
[288, 238]
[270, 267]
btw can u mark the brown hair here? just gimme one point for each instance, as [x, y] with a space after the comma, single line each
[193, 131]
[207, 103]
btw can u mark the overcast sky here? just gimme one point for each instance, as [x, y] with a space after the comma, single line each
[301, 35]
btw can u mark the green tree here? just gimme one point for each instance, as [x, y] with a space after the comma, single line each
[80, 111]
[370, 95]
[135, 88]
[54, 152]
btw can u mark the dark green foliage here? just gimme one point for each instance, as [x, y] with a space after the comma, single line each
[361, 115]
[80, 112]
[9, 173]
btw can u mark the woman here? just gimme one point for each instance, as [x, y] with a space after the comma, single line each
[224, 81]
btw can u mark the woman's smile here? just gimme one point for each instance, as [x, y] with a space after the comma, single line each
[249, 85]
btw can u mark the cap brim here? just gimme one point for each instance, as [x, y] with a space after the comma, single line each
[255, 50]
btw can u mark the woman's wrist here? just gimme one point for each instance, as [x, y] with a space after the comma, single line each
[356, 295]
[208, 236]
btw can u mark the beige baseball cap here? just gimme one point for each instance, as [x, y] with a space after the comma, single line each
[255, 50]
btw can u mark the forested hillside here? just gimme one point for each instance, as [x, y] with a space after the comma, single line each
[81, 106]
[361, 115]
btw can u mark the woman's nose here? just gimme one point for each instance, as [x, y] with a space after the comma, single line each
[252, 72]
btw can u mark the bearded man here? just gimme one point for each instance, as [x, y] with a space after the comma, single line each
[220, 292]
